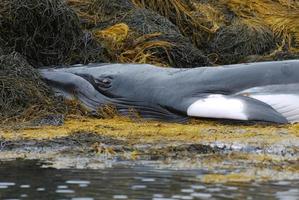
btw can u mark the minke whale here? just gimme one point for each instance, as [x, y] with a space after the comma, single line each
[263, 91]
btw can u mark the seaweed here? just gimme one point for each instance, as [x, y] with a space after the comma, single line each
[281, 16]
[241, 39]
[23, 94]
[96, 12]
[151, 38]
[46, 32]
[178, 50]
[183, 14]
[125, 46]
[163, 45]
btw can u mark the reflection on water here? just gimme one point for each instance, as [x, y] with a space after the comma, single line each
[27, 180]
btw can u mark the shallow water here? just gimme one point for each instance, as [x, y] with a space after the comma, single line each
[28, 180]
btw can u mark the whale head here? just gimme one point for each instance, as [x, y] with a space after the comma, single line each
[124, 86]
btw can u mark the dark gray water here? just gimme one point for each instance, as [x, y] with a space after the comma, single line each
[27, 180]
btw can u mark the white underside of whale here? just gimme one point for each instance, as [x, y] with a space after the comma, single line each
[235, 107]
[286, 104]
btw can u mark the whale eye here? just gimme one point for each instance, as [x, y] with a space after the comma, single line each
[103, 82]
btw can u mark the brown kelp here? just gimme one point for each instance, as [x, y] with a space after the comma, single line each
[193, 20]
[23, 94]
[46, 32]
[280, 17]
[241, 39]
[151, 37]
[265, 29]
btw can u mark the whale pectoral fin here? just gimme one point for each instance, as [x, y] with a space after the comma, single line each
[233, 107]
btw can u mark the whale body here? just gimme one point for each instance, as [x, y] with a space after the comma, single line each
[264, 91]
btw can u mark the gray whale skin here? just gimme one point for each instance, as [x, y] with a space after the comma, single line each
[264, 91]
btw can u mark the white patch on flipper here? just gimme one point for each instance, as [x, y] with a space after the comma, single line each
[286, 104]
[218, 106]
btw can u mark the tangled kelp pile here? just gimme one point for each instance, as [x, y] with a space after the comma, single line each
[46, 32]
[152, 32]
[177, 33]
[213, 32]
[252, 40]
[23, 94]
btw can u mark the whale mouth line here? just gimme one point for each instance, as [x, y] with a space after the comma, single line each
[129, 107]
